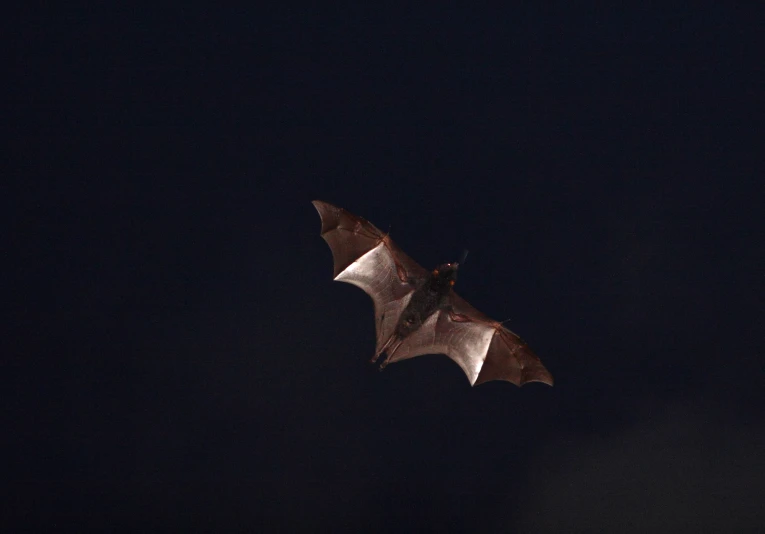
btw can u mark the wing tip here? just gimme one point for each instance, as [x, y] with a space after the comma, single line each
[319, 205]
[328, 213]
[510, 359]
[547, 380]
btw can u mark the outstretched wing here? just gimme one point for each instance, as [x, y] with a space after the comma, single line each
[482, 347]
[367, 258]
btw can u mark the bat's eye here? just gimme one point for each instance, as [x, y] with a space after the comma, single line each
[451, 282]
[435, 272]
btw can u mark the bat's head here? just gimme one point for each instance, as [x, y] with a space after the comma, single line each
[445, 275]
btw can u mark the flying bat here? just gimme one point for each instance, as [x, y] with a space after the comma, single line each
[417, 311]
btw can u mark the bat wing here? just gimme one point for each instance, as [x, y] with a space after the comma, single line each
[482, 347]
[368, 258]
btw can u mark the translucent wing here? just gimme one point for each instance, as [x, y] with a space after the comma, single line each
[482, 347]
[367, 258]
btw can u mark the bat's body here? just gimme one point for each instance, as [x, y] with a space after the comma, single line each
[417, 312]
[429, 296]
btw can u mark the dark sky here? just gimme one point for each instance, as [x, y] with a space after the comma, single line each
[178, 357]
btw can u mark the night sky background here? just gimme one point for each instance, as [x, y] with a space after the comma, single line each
[177, 356]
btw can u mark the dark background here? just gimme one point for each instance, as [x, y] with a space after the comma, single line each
[177, 356]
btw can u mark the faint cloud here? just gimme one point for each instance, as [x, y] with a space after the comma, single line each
[688, 468]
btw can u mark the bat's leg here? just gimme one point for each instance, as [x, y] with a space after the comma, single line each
[389, 353]
[379, 329]
[388, 349]
[381, 351]
[383, 362]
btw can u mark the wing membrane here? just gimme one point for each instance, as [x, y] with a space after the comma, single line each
[482, 347]
[369, 259]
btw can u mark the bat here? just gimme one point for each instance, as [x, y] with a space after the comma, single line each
[417, 311]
